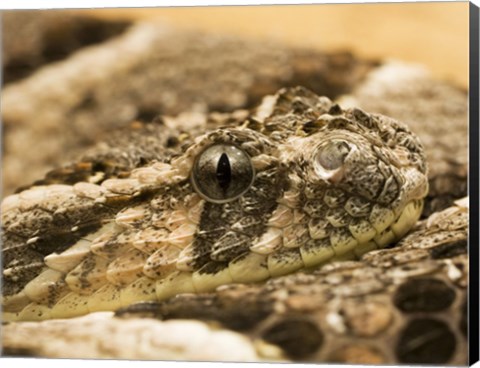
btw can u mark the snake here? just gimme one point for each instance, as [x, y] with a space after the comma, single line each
[303, 215]
[299, 183]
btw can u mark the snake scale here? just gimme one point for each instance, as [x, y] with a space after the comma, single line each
[272, 221]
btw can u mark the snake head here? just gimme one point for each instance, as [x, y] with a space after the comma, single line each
[307, 191]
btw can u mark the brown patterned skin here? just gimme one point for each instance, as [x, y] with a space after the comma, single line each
[327, 184]
[365, 311]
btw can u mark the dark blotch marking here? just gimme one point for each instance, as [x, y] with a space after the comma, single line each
[425, 341]
[19, 352]
[147, 115]
[12, 286]
[213, 267]
[364, 119]
[214, 223]
[60, 241]
[423, 295]
[18, 253]
[217, 219]
[230, 246]
[233, 308]
[335, 109]
[35, 252]
[449, 250]
[54, 39]
[172, 141]
[297, 336]
[240, 311]
[55, 236]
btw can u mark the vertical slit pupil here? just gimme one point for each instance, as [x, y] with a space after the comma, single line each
[224, 172]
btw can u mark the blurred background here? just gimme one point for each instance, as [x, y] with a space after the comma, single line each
[433, 34]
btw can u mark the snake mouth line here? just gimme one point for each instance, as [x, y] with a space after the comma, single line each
[249, 268]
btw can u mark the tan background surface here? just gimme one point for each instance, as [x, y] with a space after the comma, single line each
[433, 34]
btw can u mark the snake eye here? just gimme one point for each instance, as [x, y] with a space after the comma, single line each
[331, 157]
[222, 173]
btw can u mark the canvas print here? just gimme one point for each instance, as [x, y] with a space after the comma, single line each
[256, 183]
